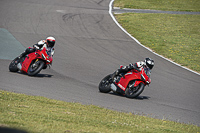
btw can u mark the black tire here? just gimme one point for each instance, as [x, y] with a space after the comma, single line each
[35, 67]
[133, 92]
[104, 85]
[13, 65]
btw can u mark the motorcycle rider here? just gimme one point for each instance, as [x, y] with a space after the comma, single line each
[48, 44]
[148, 63]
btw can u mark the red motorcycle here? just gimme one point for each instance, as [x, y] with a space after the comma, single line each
[130, 84]
[32, 63]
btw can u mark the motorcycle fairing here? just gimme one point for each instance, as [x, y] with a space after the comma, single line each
[132, 75]
[36, 55]
[26, 63]
[119, 90]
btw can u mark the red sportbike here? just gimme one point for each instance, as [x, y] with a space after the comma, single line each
[130, 84]
[32, 63]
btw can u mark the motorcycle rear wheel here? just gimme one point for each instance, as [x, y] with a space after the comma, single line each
[35, 67]
[104, 85]
[13, 65]
[133, 92]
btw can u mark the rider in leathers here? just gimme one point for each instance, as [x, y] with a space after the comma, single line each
[48, 44]
[147, 63]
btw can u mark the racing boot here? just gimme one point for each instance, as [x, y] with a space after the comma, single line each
[19, 58]
[115, 74]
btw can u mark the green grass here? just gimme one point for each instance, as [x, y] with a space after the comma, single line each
[166, 5]
[176, 37]
[40, 114]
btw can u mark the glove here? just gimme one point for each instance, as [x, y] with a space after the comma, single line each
[35, 46]
[131, 66]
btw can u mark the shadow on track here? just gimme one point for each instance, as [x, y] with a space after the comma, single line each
[137, 98]
[37, 75]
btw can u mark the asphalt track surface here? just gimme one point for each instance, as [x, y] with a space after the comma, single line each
[89, 45]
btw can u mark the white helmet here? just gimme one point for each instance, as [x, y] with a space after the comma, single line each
[50, 41]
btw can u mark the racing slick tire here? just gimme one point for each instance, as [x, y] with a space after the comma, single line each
[133, 92]
[35, 67]
[104, 85]
[13, 65]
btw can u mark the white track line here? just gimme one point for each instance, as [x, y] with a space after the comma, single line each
[110, 12]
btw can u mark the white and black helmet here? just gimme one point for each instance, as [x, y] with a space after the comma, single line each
[149, 62]
[50, 41]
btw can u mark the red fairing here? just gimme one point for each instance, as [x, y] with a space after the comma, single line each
[26, 63]
[133, 75]
[36, 55]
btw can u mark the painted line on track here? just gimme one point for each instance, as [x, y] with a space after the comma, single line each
[112, 16]
[128, 10]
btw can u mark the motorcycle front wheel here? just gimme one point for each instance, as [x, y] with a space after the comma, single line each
[104, 85]
[35, 67]
[133, 92]
[13, 65]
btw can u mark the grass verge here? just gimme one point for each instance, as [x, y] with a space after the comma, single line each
[176, 37]
[40, 114]
[166, 5]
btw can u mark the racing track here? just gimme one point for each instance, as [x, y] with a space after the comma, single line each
[89, 46]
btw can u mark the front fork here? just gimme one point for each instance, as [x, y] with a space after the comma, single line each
[132, 85]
